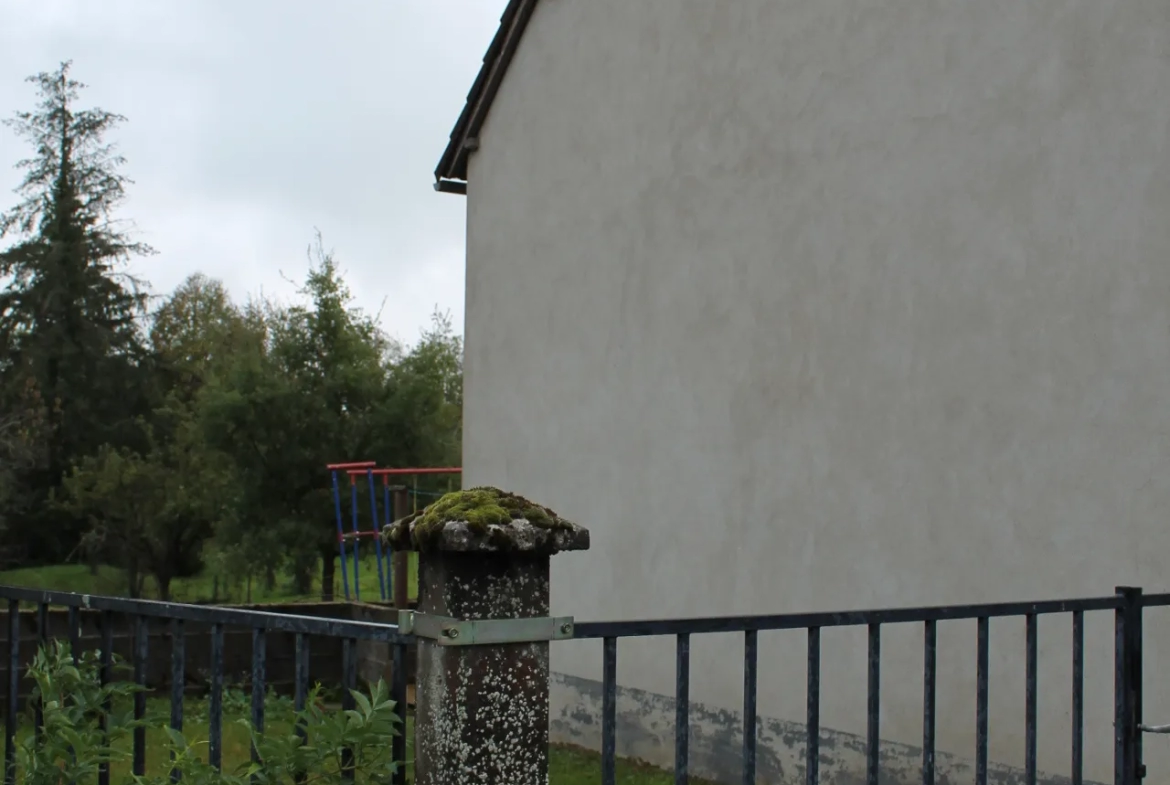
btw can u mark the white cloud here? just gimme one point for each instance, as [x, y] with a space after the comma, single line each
[251, 124]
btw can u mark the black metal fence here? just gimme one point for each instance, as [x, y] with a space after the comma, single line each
[1127, 604]
[142, 613]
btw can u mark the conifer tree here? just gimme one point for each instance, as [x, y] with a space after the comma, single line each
[71, 343]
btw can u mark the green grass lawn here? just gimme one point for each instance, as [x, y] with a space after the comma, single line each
[567, 765]
[203, 587]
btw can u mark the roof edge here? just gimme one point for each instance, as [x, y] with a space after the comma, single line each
[451, 172]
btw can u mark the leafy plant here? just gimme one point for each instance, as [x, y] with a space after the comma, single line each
[317, 744]
[71, 745]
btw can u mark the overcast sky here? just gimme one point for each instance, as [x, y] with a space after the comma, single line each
[252, 122]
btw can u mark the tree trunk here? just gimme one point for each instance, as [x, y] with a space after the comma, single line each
[164, 587]
[132, 579]
[328, 572]
[303, 579]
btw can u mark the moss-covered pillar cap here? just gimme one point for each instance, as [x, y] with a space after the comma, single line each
[488, 520]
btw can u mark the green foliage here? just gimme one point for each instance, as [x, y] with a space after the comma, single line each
[139, 439]
[72, 746]
[71, 351]
[326, 385]
[152, 513]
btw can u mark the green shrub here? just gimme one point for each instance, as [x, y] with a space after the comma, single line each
[72, 744]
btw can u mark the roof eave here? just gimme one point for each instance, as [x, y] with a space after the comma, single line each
[451, 187]
[451, 173]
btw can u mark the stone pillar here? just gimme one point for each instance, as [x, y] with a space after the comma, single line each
[481, 712]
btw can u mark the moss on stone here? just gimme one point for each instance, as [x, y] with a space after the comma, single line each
[480, 508]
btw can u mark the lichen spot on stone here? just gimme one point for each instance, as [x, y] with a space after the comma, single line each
[486, 511]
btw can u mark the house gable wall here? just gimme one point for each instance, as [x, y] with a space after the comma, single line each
[809, 306]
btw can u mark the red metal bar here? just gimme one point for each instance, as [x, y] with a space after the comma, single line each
[400, 472]
[351, 466]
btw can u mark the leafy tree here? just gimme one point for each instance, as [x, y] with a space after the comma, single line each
[152, 514]
[20, 443]
[196, 334]
[285, 412]
[327, 386]
[423, 415]
[69, 312]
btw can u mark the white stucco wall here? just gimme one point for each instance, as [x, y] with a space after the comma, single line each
[818, 305]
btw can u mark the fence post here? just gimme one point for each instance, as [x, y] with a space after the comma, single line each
[1128, 768]
[482, 690]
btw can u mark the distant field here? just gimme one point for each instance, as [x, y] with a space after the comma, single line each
[201, 588]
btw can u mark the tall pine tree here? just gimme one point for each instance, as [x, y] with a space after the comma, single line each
[71, 344]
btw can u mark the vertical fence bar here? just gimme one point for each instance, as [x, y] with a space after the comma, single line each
[42, 642]
[750, 659]
[1119, 691]
[74, 633]
[349, 683]
[1127, 682]
[812, 751]
[609, 713]
[682, 709]
[259, 660]
[215, 700]
[301, 679]
[873, 707]
[12, 705]
[1134, 630]
[107, 676]
[178, 680]
[1030, 701]
[929, 692]
[141, 653]
[301, 691]
[1078, 698]
[398, 745]
[982, 651]
[74, 624]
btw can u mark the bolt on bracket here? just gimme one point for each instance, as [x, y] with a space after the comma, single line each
[484, 632]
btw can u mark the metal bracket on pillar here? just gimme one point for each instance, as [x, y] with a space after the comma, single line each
[445, 631]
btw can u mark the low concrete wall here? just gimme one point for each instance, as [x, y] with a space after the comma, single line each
[374, 659]
[645, 731]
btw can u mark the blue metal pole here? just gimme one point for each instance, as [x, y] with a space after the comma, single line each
[377, 535]
[357, 590]
[340, 533]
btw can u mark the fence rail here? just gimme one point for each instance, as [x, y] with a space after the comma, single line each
[1127, 605]
[142, 613]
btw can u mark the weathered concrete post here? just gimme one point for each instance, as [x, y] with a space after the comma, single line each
[482, 620]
